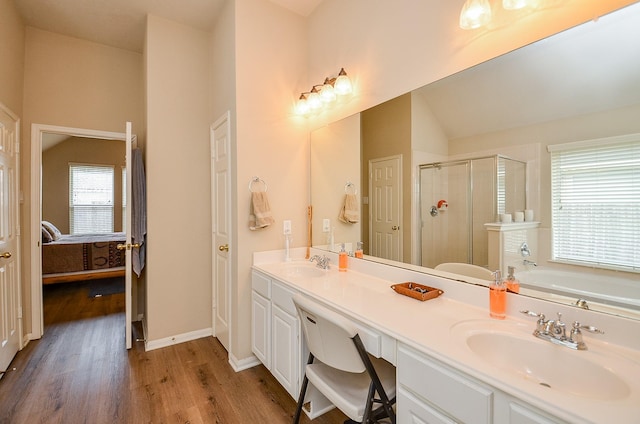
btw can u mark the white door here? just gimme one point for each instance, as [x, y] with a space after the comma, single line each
[385, 207]
[10, 309]
[221, 227]
[128, 266]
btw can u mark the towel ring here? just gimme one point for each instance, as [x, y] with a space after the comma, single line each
[257, 180]
[350, 188]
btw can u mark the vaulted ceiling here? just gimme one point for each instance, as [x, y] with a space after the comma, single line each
[121, 23]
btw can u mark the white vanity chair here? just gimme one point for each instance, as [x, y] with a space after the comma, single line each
[341, 369]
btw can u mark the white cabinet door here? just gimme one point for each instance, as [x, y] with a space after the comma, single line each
[415, 411]
[261, 328]
[285, 361]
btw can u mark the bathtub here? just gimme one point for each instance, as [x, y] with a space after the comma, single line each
[615, 291]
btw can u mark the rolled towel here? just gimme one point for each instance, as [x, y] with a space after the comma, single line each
[349, 212]
[259, 211]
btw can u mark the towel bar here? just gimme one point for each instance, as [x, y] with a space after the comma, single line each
[350, 186]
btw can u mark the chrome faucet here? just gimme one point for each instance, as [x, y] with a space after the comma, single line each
[528, 262]
[322, 261]
[555, 331]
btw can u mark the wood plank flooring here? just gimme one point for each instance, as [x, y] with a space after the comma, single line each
[80, 372]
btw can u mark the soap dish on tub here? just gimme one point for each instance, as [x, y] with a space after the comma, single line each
[417, 291]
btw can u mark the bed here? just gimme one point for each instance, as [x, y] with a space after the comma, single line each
[77, 257]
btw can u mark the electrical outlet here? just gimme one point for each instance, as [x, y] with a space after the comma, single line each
[326, 225]
[286, 227]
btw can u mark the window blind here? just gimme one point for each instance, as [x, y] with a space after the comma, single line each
[90, 198]
[596, 202]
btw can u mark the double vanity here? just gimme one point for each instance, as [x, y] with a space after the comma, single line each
[454, 363]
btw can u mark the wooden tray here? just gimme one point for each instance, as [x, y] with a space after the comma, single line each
[417, 291]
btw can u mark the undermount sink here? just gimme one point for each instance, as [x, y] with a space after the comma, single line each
[303, 269]
[506, 347]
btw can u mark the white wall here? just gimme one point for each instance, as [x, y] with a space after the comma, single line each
[178, 181]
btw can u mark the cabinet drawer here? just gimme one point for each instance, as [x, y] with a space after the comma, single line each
[283, 297]
[261, 284]
[377, 344]
[449, 391]
[415, 411]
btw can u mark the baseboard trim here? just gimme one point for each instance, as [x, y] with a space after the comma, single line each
[180, 338]
[243, 364]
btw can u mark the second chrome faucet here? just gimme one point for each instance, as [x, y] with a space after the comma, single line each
[555, 331]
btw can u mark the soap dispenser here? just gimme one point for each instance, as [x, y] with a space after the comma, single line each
[359, 253]
[497, 297]
[342, 259]
[513, 284]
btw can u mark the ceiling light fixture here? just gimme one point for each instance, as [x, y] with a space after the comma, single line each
[324, 94]
[477, 13]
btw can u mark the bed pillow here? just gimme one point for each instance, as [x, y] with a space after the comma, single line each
[46, 236]
[55, 233]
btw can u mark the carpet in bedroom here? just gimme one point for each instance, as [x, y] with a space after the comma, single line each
[106, 286]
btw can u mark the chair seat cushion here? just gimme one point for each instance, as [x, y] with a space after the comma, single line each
[348, 391]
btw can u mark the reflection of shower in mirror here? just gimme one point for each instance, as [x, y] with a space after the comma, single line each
[459, 234]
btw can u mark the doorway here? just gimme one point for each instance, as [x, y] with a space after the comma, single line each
[40, 136]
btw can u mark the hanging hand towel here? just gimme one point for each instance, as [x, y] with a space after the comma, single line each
[349, 212]
[259, 211]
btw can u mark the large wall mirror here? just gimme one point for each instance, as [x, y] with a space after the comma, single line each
[484, 128]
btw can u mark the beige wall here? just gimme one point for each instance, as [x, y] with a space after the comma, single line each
[335, 160]
[391, 51]
[55, 176]
[386, 131]
[11, 57]
[178, 189]
[73, 83]
[272, 142]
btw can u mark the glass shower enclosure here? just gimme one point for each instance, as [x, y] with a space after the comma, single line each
[457, 198]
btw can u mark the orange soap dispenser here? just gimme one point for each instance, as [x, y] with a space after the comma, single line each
[342, 259]
[497, 297]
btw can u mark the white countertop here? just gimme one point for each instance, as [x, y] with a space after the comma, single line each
[364, 293]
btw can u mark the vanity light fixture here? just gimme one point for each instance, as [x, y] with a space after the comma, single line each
[323, 94]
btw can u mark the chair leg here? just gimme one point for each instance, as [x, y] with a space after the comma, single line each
[303, 391]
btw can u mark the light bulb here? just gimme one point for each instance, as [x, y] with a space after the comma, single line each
[475, 13]
[313, 100]
[327, 93]
[302, 107]
[343, 83]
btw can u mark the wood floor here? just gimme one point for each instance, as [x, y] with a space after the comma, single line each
[80, 372]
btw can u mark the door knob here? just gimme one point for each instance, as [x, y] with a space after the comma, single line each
[223, 248]
[395, 227]
[5, 255]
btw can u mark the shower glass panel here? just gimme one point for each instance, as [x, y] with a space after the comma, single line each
[457, 198]
[445, 229]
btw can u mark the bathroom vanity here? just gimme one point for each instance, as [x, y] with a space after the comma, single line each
[454, 363]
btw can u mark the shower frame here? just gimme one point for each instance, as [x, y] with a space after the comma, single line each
[497, 206]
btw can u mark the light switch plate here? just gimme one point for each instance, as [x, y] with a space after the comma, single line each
[286, 227]
[326, 225]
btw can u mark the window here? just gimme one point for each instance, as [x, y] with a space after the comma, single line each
[595, 196]
[90, 198]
